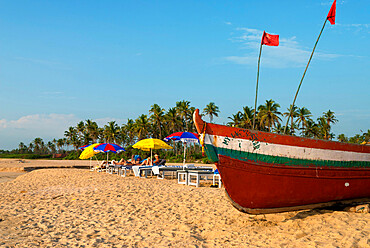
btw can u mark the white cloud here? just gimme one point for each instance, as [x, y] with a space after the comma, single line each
[46, 126]
[289, 53]
[29, 127]
[356, 28]
[41, 122]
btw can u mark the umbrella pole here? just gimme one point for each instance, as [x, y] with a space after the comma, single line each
[184, 153]
[151, 156]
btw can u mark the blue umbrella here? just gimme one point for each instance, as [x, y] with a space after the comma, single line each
[109, 147]
[184, 137]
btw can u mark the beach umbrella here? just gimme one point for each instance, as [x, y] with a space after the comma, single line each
[89, 151]
[83, 147]
[150, 145]
[108, 147]
[184, 137]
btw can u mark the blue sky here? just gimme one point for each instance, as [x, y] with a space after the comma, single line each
[66, 61]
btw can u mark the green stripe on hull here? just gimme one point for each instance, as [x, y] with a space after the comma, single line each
[212, 153]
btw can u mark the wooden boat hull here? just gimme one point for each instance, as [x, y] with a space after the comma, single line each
[264, 172]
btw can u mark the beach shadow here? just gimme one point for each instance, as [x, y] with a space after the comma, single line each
[324, 210]
[307, 213]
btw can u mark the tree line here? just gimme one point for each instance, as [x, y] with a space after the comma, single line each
[159, 123]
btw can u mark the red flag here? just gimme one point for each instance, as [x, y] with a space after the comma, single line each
[270, 39]
[331, 15]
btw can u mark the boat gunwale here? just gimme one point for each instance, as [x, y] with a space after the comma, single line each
[273, 138]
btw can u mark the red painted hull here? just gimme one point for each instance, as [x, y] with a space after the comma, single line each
[257, 186]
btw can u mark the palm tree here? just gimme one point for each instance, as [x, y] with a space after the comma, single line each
[269, 114]
[366, 136]
[236, 119]
[324, 128]
[329, 117]
[30, 147]
[303, 114]
[111, 132]
[342, 138]
[70, 133]
[357, 139]
[128, 132]
[278, 128]
[211, 110]
[292, 113]
[91, 127]
[60, 144]
[55, 143]
[22, 147]
[72, 137]
[247, 117]
[190, 120]
[183, 111]
[38, 145]
[75, 142]
[324, 123]
[142, 126]
[80, 128]
[51, 146]
[157, 118]
[173, 120]
[311, 130]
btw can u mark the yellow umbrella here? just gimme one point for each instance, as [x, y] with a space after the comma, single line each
[150, 144]
[88, 152]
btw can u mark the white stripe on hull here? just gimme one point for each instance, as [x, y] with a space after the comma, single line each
[279, 150]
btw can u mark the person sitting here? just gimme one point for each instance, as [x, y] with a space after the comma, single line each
[101, 165]
[121, 162]
[136, 160]
[146, 161]
[158, 161]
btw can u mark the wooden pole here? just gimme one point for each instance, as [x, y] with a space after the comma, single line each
[296, 94]
[255, 100]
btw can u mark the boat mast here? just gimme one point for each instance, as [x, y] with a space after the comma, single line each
[304, 73]
[331, 18]
[258, 73]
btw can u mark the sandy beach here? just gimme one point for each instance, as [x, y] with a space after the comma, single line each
[78, 208]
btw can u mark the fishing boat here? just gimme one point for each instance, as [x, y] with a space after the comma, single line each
[266, 172]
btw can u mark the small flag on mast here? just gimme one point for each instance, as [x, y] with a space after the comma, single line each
[331, 15]
[270, 39]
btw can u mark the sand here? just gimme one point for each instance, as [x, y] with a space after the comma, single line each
[79, 208]
[21, 165]
[9, 176]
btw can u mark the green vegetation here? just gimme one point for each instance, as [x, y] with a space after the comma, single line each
[161, 123]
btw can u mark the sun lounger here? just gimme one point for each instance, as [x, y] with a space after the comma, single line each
[123, 170]
[217, 177]
[110, 168]
[198, 176]
[183, 175]
[138, 169]
[160, 171]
